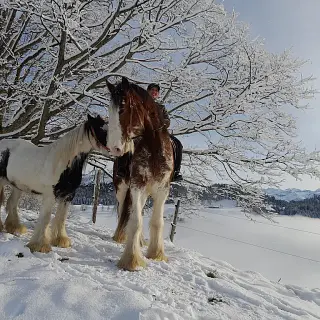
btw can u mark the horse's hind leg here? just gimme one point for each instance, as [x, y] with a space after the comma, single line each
[1, 202]
[59, 237]
[41, 239]
[156, 246]
[12, 223]
[132, 258]
[123, 212]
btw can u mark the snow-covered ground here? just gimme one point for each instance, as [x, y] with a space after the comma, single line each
[83, 282]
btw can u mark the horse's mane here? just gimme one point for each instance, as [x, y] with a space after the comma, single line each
[155, 116]
[154, 126]
[142, 93]
[69, 146]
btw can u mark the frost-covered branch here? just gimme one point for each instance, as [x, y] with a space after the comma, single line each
[220, 87]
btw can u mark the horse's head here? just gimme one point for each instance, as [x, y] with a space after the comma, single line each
[97, 130]
[127, 114]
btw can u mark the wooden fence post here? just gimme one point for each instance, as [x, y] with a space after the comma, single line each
[96, 193]
[174, 222]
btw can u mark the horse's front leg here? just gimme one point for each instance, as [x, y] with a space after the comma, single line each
[12, 223]
[124, 202]
[156, 246]
[132, 258]
[59, 237]
[41, 238]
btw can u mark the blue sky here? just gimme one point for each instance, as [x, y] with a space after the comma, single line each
[295, 25]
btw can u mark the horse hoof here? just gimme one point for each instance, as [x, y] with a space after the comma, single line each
[133, 263]
[62, 242]
[39, 247]
[157, 257]
[120, 238]
[14, 229]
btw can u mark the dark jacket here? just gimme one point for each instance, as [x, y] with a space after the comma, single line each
[165, 115]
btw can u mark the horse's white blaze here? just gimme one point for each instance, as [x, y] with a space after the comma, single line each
[115, 133]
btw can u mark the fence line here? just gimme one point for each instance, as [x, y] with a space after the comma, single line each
[249, 244]
[268, 224]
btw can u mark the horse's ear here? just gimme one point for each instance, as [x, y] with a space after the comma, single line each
[110, 86]
[125, 84]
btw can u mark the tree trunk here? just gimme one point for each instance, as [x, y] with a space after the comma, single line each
[96, 193]
[174, 222]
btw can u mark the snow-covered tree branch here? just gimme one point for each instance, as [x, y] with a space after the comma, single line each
[220, 86]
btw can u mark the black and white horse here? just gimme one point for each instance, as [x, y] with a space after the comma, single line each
[53, 171]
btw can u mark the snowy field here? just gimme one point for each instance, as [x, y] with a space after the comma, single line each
[83, 282]
[295, 237]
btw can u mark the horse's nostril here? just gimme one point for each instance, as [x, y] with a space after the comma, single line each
[117, 149]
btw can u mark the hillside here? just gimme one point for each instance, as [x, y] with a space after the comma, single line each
[83, 282]
[291, 194]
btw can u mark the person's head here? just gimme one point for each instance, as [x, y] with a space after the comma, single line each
[154, 90]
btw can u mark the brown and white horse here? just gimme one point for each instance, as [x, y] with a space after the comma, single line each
[133, 114]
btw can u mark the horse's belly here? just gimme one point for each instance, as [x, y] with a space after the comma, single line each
[26, 175]
[26, 188]
[27, 183]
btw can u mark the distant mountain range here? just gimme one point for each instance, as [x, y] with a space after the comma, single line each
[291, 194]
[285, 202]
[279, 194]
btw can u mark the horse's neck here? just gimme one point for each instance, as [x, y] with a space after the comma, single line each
[154, 141]
[71, 145]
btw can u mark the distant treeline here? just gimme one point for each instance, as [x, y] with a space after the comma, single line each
[84, 194]
[308, 207]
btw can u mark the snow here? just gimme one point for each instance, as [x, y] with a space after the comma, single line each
[83, 282]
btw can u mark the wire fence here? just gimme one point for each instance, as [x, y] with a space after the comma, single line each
[179, 225]
[275, 225]
[268, 224]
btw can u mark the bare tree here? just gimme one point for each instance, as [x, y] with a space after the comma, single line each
[221, 87]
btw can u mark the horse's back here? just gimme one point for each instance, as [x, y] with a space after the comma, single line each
[21, 164]
[13, 144]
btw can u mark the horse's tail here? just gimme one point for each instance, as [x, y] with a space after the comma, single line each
[1, 195]
[125, 214]
[120, 234]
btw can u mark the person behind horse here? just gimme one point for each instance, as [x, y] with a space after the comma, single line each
[124, 161]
